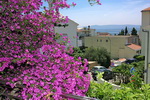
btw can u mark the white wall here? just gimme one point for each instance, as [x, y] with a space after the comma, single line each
[92, 32]
[145, 22]
[145, 18]
[145, 38]
[71, 32]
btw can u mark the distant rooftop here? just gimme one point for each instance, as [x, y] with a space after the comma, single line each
[84, 30]
[134, 47]
[121, 59]
[116, 36]
[103, 33]
[147, 9]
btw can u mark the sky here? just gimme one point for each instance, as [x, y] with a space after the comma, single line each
[111, 12]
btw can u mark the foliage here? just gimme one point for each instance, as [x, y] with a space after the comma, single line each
[139, 67]
[101, 55]
[77, 52]
[139, 57]
[134, 31]
[99, 91]
[122, 32]
[135, 81]
[93, 2]
[90, 54]
[30, 55]
[124, 70]
[126, 31]
[82, 48]
[105, 91]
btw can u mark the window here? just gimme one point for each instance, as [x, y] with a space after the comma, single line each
[134, 40]
[138, 52]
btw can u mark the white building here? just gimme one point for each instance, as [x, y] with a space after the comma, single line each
[145, 25]
[70, 31]
[84, 32]
[145, 40]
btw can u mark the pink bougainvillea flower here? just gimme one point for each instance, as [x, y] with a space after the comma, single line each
[29, 50]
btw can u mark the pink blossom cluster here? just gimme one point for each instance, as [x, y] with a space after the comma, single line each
[98, 2]
[92, 2]
[29, 54]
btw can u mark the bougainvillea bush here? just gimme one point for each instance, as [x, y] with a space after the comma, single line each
[30, 55]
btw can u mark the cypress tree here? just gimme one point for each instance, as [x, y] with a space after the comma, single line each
[126, 31]
[134, 31]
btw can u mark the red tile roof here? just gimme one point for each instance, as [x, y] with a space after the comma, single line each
[134, 47]
[103, 33]
[121, 59]
[147, 9]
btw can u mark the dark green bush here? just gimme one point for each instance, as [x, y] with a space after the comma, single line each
[101, 55]
[139, 57]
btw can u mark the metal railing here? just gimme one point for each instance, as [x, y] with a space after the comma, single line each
[78, 97]
[9, 96]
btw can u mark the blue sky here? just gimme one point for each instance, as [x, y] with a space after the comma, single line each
[110, 12]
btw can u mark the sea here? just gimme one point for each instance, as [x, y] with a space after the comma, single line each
[115, 31]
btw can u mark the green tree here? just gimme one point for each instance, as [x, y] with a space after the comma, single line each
[139, 67]
[77, 52]
[124, 70]
[90, 54]
[101, 55]
[121, 33]
[126, 31]
[139, 57]
[134, 31]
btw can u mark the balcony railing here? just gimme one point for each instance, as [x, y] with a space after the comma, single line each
[10, 96]
[78, 97]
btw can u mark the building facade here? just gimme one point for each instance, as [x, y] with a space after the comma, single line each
[69, 31]
[145, 26]
[84, 32]
[118, 46]
[145, 40]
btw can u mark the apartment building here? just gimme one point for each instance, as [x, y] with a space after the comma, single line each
[145, 27]
[145, 40]
[84, 32]
[118, 46]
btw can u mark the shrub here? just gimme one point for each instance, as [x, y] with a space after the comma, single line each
[30, 55]
[105, 91]
[102, 56]
[139, 57]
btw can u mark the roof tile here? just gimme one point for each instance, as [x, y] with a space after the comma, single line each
[134, 47]
[147, 9]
